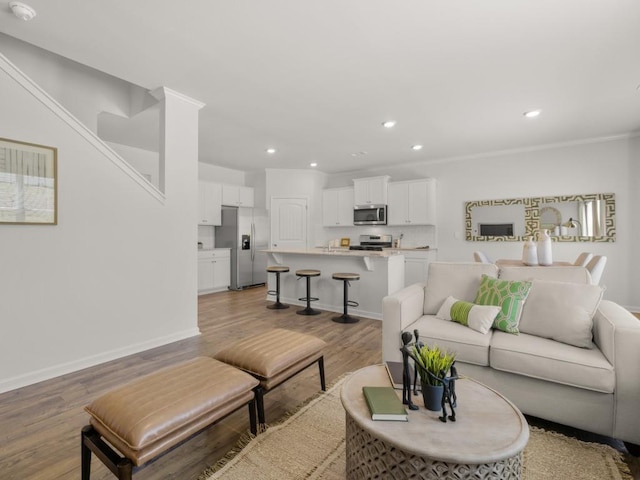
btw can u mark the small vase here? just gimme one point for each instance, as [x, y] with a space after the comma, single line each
[530, 253]
[432, 396]
[544, 248]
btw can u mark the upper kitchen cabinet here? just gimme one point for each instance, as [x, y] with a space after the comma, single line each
[412, 202]
[337, 207]
[370, 191]
[237, 196]
[209, 203]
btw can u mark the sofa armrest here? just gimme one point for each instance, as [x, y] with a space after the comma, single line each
[617, 334]
[398, 312]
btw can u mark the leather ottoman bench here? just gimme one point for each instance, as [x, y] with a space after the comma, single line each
[150, 415]
[274, 357]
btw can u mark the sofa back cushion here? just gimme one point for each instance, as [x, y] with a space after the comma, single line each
[457, 279]
[561, 311]
[575, 274]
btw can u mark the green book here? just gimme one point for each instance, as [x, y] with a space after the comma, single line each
[384, 404]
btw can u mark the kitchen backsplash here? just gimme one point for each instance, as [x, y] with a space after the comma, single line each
[206, 236]
[414, 236]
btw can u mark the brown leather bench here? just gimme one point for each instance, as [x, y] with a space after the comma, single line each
[274, 357]
[148, 416]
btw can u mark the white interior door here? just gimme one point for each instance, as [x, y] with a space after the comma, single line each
[288, 222]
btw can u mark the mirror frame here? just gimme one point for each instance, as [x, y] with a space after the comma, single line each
[532, 210]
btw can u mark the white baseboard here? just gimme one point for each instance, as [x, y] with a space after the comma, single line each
[86, 362]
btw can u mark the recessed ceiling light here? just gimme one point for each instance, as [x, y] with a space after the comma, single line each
[532, 113]
[417, 147]
[389, 124]
[313, 164]
[271, 151]
[22, 11]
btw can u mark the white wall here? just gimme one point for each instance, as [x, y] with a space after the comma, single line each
[213, 173]
[593, 167]
[144, 161]
[118, 273]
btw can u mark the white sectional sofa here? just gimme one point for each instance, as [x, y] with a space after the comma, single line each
[575, 360]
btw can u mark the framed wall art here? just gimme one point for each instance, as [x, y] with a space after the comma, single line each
[28, 183]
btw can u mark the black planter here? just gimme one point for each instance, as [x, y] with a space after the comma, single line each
[432, 396]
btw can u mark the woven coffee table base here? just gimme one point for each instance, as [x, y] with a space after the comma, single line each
[369, 457]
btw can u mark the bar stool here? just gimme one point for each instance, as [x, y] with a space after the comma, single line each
[277, 269]
[308, 274]
[345, 317]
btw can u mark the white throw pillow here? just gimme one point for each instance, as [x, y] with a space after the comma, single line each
[478, 317]
[561, 311]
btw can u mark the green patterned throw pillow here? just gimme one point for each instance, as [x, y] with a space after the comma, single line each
[510, 295]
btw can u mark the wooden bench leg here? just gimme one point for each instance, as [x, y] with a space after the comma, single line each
[323, 384]
[91, 442]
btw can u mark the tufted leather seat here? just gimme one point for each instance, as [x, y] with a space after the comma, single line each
[146, 417]
[274, 357]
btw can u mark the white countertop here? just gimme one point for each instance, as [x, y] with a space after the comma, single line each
[344, 252]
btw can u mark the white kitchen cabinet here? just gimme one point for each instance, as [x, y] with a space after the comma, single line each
[370, 191]
[214, 270]
[416, 265]
[337, 207]
[237, 196]
[412, 202]
[209, 203]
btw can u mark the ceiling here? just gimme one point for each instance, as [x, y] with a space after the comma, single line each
[316, 79]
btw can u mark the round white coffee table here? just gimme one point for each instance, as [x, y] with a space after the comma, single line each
[485, 442]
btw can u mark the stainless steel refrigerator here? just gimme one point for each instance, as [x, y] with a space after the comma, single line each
[246, 232]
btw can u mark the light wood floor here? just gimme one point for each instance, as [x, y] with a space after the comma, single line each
[40, 424]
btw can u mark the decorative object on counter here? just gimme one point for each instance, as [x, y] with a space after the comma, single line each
[398, 241]
[345, 278]
[277, 269]
[530, 252]
[544, 248]
[345, 242]
[307, 273]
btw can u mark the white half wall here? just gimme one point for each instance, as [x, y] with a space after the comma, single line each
[118, 274]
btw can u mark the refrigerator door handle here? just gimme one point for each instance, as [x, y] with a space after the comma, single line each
[253, 242]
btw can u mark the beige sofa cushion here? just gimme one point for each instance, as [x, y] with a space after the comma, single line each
[558, 274]
[460, 280]
[561, 311]
[552, 361]
[470, 346]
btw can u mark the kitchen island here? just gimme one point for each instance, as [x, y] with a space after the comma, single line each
[381, 274]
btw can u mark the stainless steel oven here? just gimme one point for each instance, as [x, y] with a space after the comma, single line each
[370, 215]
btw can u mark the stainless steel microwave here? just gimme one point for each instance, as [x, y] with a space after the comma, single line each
[370, 215]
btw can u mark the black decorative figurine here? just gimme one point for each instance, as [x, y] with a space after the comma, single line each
[406, 373]
[448, 383]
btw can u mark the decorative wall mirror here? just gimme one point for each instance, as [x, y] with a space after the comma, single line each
[569, 218]
[28, 183]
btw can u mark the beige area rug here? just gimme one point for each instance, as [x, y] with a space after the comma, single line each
[310, 444]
